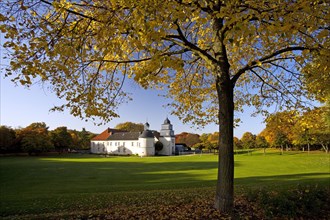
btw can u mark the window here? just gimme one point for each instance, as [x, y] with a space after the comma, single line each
[118, 149]
[110, 143]
[115, 143]
[132, 144]
[124, 144]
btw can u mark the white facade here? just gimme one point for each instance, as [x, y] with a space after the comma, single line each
[168, 146]
[147, 147]
[117, 142]
[115, 147]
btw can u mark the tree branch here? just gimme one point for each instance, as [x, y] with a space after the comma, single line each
[144, 59]
[188, 45]
[282, 85]
[74, 12]
[195, 3]
[264, 59]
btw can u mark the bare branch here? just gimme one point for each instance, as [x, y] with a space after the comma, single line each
[264, 59]
[280, 82]
[264, 82]
[188, 45]
[143, 59]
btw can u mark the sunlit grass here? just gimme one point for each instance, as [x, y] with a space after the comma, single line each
[80, 182]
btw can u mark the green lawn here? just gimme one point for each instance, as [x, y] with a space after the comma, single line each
[36, 185]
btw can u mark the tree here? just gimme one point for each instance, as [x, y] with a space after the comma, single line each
[204, 141]
[283, 122]
[280, 140]
[75, 139]
[130, 126]
[192, 139]
[7, 138]
[35, 139]
[316, 77]
[81, 139]
[202, 52]
[204, 137]
[261, 142]
[180, 138]
[312, 127]
[85, 139]
[38, 125]
[237, 143]
[322, 138]
[248, 140]
[187, 138]
[210, 141]
[213, 140]
[61, 138]
[199, 146]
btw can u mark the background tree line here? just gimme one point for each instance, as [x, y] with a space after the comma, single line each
[309, 130]
[37, 138]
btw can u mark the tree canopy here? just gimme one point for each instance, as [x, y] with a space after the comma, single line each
[283, 122]
[189, 139]
[88, 42]
[35, 138]
[7, 138]
[248, 140]
[299, 129]
[61, 138]
[130, 126]
[207, 55]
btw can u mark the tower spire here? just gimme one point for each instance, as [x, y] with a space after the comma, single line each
[146, 126]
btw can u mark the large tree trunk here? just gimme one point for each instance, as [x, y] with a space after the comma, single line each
[224, 200]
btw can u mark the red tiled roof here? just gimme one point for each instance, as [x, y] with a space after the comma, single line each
[106, 134]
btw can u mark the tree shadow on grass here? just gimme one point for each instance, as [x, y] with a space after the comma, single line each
[113, 175]
[47, 180]
[282, 181]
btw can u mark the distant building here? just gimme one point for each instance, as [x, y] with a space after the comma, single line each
[146, 143]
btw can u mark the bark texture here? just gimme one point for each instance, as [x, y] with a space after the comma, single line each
[224, 200]
[225, 191]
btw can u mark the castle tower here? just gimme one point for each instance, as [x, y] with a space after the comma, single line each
[146, 126]
[167, 137]
[146, 142]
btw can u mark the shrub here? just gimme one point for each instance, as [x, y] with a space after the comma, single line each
[310, 202]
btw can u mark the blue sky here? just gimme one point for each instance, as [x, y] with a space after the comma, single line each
[20, 107]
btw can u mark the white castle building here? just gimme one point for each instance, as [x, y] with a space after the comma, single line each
[146, 143]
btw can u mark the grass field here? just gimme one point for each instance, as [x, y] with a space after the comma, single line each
[67, 183]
